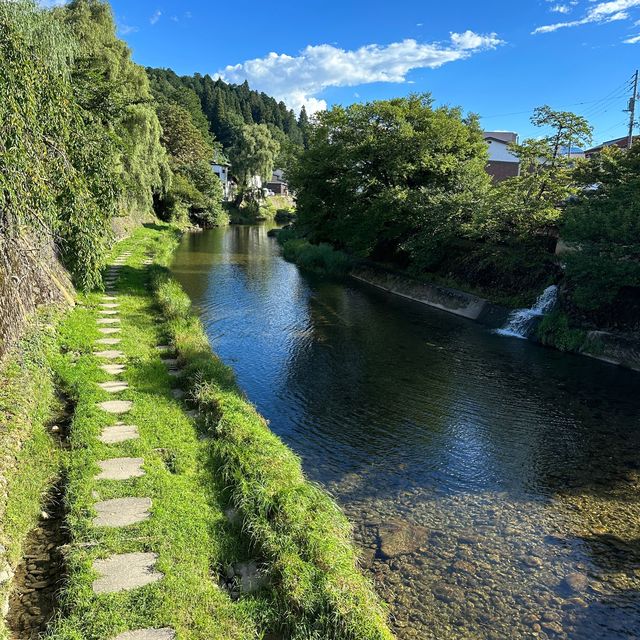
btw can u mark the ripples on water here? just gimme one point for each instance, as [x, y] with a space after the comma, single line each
[493, 484]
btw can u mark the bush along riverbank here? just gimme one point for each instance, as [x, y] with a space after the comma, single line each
[169, 507]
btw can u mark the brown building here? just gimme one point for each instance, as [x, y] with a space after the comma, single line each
[502, 163]
[621, 143]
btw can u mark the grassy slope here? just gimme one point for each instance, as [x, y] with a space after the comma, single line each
[29, 461]
[187, 528]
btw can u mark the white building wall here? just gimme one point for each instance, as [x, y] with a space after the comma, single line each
[499, 152]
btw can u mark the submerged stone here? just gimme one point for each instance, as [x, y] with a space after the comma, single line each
[126, 571]
[397, 537]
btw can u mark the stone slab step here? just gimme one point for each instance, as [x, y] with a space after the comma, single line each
[126, 571]
[175, 373]
[109, 298]
[109, 354]
[113, 387]
[113, 369]
[120, 469]
[109, 331]
[170, 362]
[116, 406]
[119, 433]
[148, 634]
[110, 305]
[108, 321]
[110, 312]
[109, 342]
[163, 348]
[122, 512]
[178, 394]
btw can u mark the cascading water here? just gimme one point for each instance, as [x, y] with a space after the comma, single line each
[521, 321]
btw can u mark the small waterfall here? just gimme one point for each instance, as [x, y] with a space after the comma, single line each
[521, 321]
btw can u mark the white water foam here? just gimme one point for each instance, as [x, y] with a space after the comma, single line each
[521, 321]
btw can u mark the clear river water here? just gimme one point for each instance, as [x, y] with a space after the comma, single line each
[493, 484]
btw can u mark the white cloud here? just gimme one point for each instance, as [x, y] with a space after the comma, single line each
[298, 80]
[561, 8]
[155, 17]
[632, 40]
[126, 29]
[601, 12]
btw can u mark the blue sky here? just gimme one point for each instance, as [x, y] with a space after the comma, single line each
[498, 58]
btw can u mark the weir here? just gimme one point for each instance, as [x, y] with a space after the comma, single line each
[522, 321]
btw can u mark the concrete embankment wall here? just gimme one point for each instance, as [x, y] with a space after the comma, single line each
[453, 301]
[615, 349]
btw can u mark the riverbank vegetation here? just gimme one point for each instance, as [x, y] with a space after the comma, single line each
[403, 183]
[300, 533]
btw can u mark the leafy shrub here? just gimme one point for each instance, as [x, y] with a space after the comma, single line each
[554, 331]
[319, 258]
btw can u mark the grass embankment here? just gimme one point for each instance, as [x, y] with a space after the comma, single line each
[29, 459]
[187, 527]
[301, 534]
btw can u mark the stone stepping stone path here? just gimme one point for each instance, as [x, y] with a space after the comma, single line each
[125, 571]
[120, 469]
[175, 373]
[122, 512]
[130, 570]
[172, 363]
[163, 348]
[119, 433]
[109, 331]
[113, 387]
[109, 342]
[109, 355]
[113, 369]
[178, 394]
[116, 406]
[148, 634]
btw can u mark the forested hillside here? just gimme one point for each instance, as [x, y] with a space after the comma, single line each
[228, 106]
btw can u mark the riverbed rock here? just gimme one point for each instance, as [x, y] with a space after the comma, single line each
[575, 583]
[398, 537]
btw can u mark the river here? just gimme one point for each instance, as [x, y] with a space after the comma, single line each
[492, 483]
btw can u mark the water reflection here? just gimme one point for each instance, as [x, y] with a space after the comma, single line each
[493, 484]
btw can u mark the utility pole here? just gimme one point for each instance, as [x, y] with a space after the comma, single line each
[632, 109]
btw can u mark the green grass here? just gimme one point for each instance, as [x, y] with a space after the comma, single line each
[29, 460]
[319, 591]
[194, 470]
[187, 529]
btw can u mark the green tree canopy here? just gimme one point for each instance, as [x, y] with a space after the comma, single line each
[253, 154]
[390, 177]
[603, 223]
